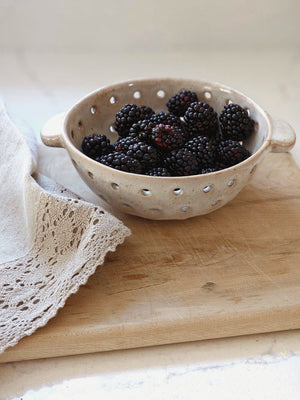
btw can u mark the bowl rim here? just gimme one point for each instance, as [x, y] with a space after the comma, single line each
[69, 145]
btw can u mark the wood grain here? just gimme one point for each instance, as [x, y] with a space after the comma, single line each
[232, 272]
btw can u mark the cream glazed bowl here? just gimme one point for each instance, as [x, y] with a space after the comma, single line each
[161, 198]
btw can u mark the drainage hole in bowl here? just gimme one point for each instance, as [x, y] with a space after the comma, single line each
[72, 134]
[231, 182]
[126, 205]
[146, 192]
[207, 95]
[112, 100]
[80, 124]
[93, 110]
[178, 191]
[74, 163]
[91, 175]
[155, 210]
[253, 169]
[137, 94]
[112, 129]
[161, 94]
[115, 186]
[215, 202]
[185, 208]
[207, 188]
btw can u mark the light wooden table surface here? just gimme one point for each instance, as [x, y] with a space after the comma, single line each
[36, 86]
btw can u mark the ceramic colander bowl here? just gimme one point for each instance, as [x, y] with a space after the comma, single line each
[161, 197]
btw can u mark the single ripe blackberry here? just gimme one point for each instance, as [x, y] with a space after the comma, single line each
[96, 145]
[230, 152]
[164, 118]
[158, 171]
[121, 162]
[167, 137]
[146, 154]
[181, 162]
[201, 119]
[141, 129]
[235, 122]
[146, 112]
[123, 144]
[128, 115]
[204, 148]
[179, 103]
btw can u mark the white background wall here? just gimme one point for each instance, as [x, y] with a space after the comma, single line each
[56, 51]
[148, 25]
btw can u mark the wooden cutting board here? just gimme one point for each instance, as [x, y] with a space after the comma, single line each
[232, 272]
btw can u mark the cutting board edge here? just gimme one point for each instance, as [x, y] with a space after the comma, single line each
[100, 341]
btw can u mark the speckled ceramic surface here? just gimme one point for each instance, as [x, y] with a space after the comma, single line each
[161, 197]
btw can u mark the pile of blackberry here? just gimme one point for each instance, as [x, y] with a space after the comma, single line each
[190, 139]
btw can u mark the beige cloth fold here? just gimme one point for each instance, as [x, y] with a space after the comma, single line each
[51, 241]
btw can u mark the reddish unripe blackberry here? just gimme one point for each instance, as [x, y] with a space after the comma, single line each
[167, 137]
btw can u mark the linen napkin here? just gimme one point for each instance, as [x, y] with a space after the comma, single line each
[51, 240]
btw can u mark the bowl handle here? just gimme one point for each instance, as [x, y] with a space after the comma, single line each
[52, 131]
[283, 136]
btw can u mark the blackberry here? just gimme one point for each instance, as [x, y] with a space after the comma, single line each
[219, 137]
[208, 170]
[158, 171]
[204, 148]
[179, 103]
[146, 112]
[219, 165]
[231, 152]
[164, 118]
[141, 130]
[201, 119]
[96, 145]
[181, 162]
[128, 115]
[235, 122]
[167, 137]
[121, 162]
[146, 154]
[123, 144]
